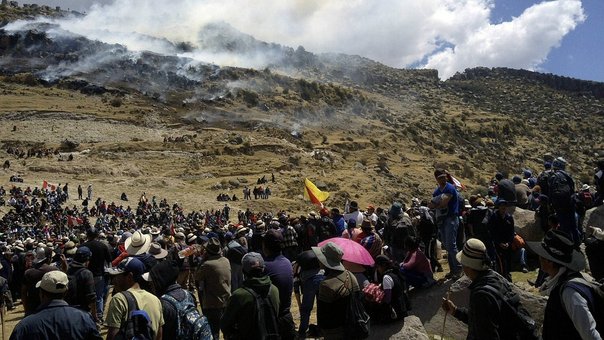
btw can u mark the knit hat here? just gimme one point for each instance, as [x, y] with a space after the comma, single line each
[252, 261]
[474, 255]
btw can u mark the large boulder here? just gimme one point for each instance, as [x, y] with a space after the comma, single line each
[594, 217]
[412, 329]
[527, 225]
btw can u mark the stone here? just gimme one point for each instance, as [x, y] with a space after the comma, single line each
[526, 225]
[411, 329]
[234, 183]
[594, 217]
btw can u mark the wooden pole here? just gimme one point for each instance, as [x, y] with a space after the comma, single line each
[442, 334]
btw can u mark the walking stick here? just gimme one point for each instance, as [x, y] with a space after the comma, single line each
[442, 334]
[2, 315]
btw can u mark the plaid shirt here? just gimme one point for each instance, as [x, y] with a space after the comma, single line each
[290, 237]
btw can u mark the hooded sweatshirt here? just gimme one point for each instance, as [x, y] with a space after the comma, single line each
[237, 320]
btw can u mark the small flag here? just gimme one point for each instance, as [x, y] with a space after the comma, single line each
[313, 193]
[49, 186]
[456, 182]
[73, 221]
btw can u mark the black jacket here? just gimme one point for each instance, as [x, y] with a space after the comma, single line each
[485, 317]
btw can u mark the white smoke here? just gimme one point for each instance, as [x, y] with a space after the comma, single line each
[448, 35]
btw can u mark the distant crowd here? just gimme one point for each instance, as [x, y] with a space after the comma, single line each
[244, 269]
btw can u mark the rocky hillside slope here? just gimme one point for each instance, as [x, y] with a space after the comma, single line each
[362, 130]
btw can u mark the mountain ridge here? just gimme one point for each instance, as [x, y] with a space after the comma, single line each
[359, 128]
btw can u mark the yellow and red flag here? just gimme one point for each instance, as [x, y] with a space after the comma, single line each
[313, 193]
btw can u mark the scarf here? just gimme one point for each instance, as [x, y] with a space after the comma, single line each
[550, 283]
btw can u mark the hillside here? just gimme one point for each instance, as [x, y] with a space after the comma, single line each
[360, 129]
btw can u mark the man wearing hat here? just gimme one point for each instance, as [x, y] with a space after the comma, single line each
[55, 319]
[214, 282]
[486, 316]
[163, 276]
[82, 295]
[334, 291]
[353, 212]
[236, 322]
[567, 313]
[126, 278]
[29, 292]
[100, 257]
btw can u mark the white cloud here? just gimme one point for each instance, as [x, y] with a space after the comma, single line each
[448, 35]
[523, 42]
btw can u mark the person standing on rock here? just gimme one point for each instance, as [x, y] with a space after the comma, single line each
[487, 316]
[445, 201]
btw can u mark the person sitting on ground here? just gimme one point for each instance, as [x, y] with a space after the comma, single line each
[416, 267]
[395, 304]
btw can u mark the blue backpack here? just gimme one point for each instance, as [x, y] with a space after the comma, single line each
[138, 324]
[190, 324]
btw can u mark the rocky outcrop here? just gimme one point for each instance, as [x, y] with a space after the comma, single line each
[594, 217]
[412, 329]
[551, 80]
[527, 225]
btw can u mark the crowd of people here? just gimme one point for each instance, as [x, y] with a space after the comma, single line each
[72, 266]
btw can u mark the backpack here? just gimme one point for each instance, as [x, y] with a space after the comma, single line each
[593, 292]
[190, 324]
[138, 324]
[560, 190]
[402, 230]
[521, 321]
[357, 320]
[426, 226]
[266, 317]
[72, 297]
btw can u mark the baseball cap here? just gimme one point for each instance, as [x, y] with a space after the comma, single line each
[128, 265]
[54, 281]
[82, 255]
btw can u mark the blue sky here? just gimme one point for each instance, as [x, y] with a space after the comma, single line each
[563, 37]
[581, 52]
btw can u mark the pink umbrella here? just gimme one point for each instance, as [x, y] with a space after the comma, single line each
[353, 251]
